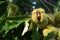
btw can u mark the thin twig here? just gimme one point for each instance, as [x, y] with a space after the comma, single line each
[48, 3]
[46, 6]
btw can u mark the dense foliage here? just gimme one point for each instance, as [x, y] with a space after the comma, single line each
[14, 13]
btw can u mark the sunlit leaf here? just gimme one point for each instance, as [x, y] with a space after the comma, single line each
[50, 36]
[13, 23]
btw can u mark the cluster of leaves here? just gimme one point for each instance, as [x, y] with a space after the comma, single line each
[11, 27]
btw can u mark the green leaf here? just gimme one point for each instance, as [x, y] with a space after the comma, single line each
[13, 23]
[2, 18]
[56, 7]
[10, 24]
[50, 36]
[35, 33]
[18, 17]
[1, 2]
